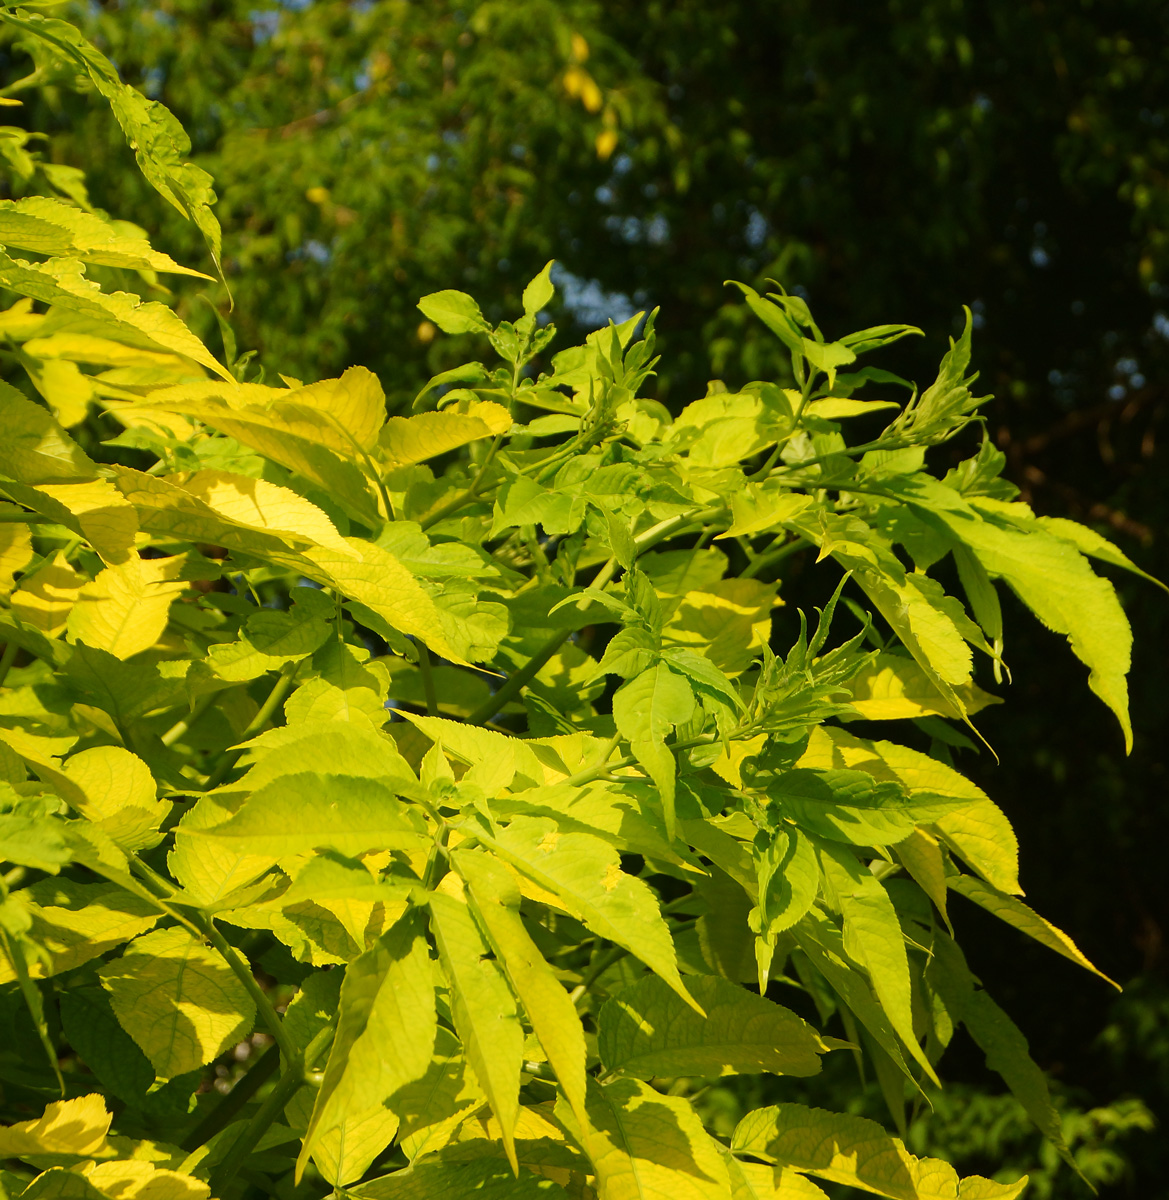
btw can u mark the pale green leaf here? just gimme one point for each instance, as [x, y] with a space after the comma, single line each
[55, 229]
[1014, 912]
[74, 923]
[268, 641]
[761, 1181]
[483, 1010]
[874, 941]
[585, 873]
[540, 291]
[647, 1031]
[116, 791]
[646, 707]
[385, 1040]
[178, 1000]
[842, 1149]
[453, 312]
[125, 609]
[893, 687]
[415, 439]
[35, 449]
[307, 811]
[975, 827]
[69, 1127]
[646, 1146]
[61, 282]
[550, 1012]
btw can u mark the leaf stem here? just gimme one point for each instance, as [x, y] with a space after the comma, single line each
[275, 697]
[274, 1104]
[465, 497]
[221, 1115]
[427, 680]
[6, 660]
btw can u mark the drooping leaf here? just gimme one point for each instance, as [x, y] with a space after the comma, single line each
[76, 1127]
[483, 1009]
[585, 874]
[647, 1031]
[551, 1013]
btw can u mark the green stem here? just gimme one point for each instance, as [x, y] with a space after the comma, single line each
[202, 925]
[243, 972]
[453, 506]
[222, 1114]
[6, 660]
[427, 680]
[770, 557]
[518, 680]
[293, 1079]
[275, 698]
[180, 728]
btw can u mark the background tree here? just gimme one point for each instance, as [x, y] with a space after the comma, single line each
[883, 160]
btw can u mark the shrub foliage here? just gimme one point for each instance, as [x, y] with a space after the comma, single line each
[446, 766]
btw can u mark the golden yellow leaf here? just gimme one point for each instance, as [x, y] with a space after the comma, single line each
[45, 598]
[124, 610]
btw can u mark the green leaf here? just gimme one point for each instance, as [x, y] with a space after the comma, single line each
[846, 806]
[374, 577]
[873, 940]
[827, 356]
[158, 140]
[32, 842]
[61, 282]
[647, 1031]
[74, 923]
[847, 1150]
[975, 827]
[35, 449]
[58, 230]
[308, 811]
[1014, 912]
[483, 1010]
[540, 291]
[116, 791]
[453, 312]
[999, 1039]
[385, 1040]
[485, 1180]
[550, 1012]
[585, 874]
[1050, 576]
[268, 641]
[646, 1146]
[178, 1000]
[646, 707]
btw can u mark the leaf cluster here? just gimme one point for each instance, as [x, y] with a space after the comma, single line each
[452, 761]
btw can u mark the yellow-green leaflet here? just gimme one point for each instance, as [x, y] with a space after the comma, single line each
[873, 940]
[585, 873]
[644, 1145]
[846, 1150]
[483, 1009]
[178, 1000]
[384, 1041]
[646, 1030]
[306, 811]
[550, 1012]
[1014, 912]
[53, 228]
